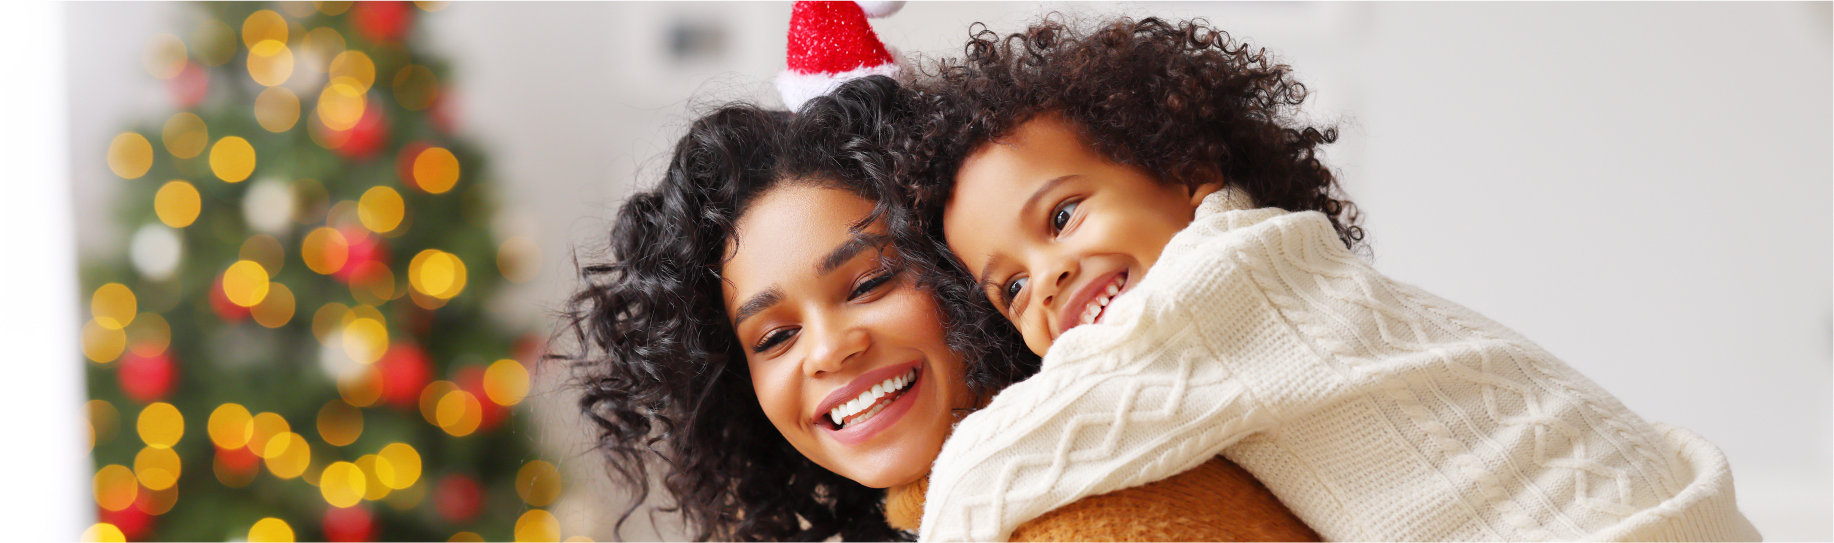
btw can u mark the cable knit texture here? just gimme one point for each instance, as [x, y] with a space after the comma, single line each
[1375, 411]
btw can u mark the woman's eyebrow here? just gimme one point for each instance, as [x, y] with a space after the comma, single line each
[757, 304]
[840, 255]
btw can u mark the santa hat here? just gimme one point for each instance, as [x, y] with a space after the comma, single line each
[830, 44]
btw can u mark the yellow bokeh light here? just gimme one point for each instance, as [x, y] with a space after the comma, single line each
[430, 397]
[332, 7]
[436, 170]
[518, 259]
[537, 525]
[270, 529]
[354, 68]
[232, 159]
[363, 388]
[264, 427]
[165, 56]
[365, 340]
[157, 502]
[161, 425]
[466, 537]
[415, 87]
[270, 62]
[130, 155]
[102, 344]
[506, 382]
[277, 109]
[328, 319]
[262, 26]
[292, 458]
[361, 311]
[538, 483]
[102, 532]
[380, 209]
[276, 308]
[230, 426]
[157, 468]
[341, 105]
[339, 423]
[406, 463]
[185, 135]
[375, 470]
[113, 306]
[431, 5]
[263, 249]
[245, 283]
[325, 250]
[149, 335]
[116, 487]
[214, 42]
[437, 273]
[103, 418]
[372, 283]
[177, 203]
[325, 43]
[459, 413]
[342, 484]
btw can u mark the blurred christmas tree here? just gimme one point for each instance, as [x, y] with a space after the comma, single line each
[296, 345]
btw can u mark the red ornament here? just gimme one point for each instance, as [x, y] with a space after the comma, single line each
[147, 379]
[404, 163]
[349, 524]
[363, 140]
[225, 309]
[471, 379]
[405, 371]
[190, 86]
[458, 498]
[364, 248]
[382, 21]
[135, 524]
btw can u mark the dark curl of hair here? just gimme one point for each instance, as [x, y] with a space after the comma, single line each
[1181, 101]
[664, 376]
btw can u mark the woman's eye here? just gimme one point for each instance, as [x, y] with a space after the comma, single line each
[1013, 287]
[772, 339]
[1061, 215]
[871, 284]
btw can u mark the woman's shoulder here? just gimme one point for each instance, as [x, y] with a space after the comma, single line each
[1216, 501]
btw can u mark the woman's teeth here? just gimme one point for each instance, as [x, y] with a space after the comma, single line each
[1094, 310]
[871, 401]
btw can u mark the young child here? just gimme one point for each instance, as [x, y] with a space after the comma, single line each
[1139, 202]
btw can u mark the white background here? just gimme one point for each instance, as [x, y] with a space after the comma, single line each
[1645, 188]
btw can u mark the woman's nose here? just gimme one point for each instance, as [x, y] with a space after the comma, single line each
[834, 348]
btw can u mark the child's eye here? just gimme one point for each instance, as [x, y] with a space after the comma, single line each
[1061, 215]
[871, 284]
[773, 338]
[1013, 287]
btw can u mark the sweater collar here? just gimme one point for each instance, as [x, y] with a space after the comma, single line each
[904, 505]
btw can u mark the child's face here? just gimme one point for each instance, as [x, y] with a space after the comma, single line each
[823, 322]
[1053, 231]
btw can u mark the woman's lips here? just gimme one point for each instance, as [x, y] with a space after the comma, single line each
[860, 432]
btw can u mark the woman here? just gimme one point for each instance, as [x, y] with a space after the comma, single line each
[758, 343]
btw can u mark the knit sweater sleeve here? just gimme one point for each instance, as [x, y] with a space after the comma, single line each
[1375, 411]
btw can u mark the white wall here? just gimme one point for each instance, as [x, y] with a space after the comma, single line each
[1643, 188]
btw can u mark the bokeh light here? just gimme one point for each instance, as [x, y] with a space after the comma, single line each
[538, 482]
[537, 525]
[245, 283]
[157, 502]
[325, 250]
[149, 335]
[342, 484]
[332, 7]
[353, 68]
[430, 397]
[415, 87]
[372, 283]
[270, 529]
[380, 209]
[406, 463]
[157, 468]
[102, 344]
[116, 487]
[436, 170]
[363, 388]
[214, 42]
[185, 134]
[277, 109]
[177, 203]
[103, 418]
[340, 106]
[165, 56]
[325, 43]
[270, 62]
[518, 259]
[232, 159]
[437, 273]
[459, 413]
[263, 249]
[102, 532]
[467, 537]
[230, 426]
[339, 423]
[292, 458]
[506, 382]
[374, 470]
[365, 340]
[276, 308]
[130, 155]
[161, 425]
[113, 306]
[431, 5]
[269, 206]
[262, 26]
[328, 320]
[155, 251]
[264, 427]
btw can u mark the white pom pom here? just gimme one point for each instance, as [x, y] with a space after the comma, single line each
[880, 8]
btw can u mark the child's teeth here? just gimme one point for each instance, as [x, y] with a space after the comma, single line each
[1113, 288]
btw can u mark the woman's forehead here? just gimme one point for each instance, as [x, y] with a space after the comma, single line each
[787, 234]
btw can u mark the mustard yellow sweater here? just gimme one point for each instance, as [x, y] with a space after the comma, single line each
[1216, 501]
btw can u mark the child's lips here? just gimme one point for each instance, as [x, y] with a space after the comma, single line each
[1092, 301]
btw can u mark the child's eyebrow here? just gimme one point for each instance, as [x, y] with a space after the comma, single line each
[1032, 201]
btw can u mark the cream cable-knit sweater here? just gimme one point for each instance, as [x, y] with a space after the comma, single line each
[1374, 410]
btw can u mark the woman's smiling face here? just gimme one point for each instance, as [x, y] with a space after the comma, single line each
[846, 355]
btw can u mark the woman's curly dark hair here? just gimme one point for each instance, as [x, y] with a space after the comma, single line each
[664, 377]
[1182, 101]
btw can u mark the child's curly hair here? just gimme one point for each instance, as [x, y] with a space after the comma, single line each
[1182, 101]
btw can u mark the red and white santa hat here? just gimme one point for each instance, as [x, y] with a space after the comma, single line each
[830, 44]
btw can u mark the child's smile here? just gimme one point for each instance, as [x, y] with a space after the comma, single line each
[1054, 231]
